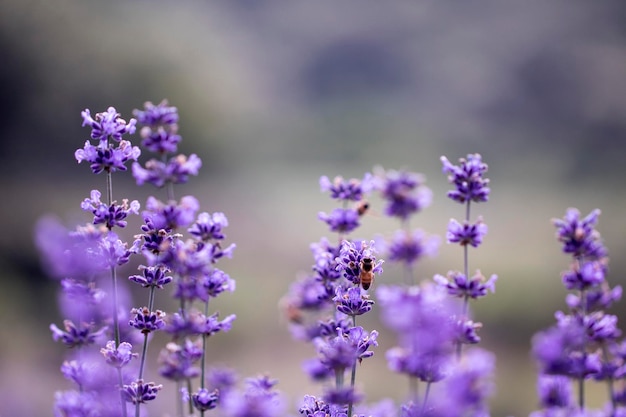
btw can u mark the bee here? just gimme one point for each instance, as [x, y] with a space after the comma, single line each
[362, 207]
[366, 276]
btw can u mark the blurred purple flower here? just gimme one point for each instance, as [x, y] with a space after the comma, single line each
[403, 191]
[466, 233]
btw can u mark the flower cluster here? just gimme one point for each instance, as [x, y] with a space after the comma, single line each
[585, 343]
[180, 248]
[98, 320]
[323, 307]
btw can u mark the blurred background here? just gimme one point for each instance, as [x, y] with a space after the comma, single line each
[272, 95]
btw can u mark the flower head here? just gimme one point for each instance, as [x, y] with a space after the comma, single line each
[409, 247]
[403, 191]
[352, 256]
[110, 215]
[466, 233]
[76, 335]
[342, 220]
[347, 190]
[147, 321]
[177, 361]
[107, 125]
[138, 392]
[579, 236]
[119, 356]
[467, 177]
[459, 285]
[108, 159]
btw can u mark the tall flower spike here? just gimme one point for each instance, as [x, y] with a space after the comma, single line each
[467, 177]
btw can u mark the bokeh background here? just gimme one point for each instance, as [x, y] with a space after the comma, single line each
[274, 94]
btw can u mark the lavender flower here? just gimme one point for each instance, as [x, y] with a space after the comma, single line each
[209, 226]
[466, 233]
[107, 125]
[76, 404]
[138, 392]
[176, 170]
[583, 277]
[76, 335]
[172, 215]
[554, 391]
[68, 253]
[458, 285]
[205, 400]
[177, 361]
[467, 178]
[341, 220]
[403, 191]
[352, 301]
[109, 159]
[160, 115]
[152, 276]
[347, 190]
[579, 236]
[110, 215]
[409, 247]
[421, 317]
[351, 256]
[119, 356]
[147, 321]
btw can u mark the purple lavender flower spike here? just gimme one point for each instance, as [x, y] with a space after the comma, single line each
[466, 233]
[152, 276]
[75, 372]
[213, 325]
[341, 220]
[408, 248]
[138, 392]
[147, 321]
[467, 178]
[176, 171]
[177, 361]
[404, 192]
[161, 114]
[209, 226]
[554, 391]
[218, 282]
[172, 215]
[109, 159]
[579, 236]
[352, 301]
[347, 190]
[107, 125]
[120, 356]
[222, 379]
[600, 298]
[468, 387]
[337, 353]
[458, 285]
[73, 336]
[110, 216]
[205, 400]
[583, 277]
[421, 318]
[76, 404]
[351, 256]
